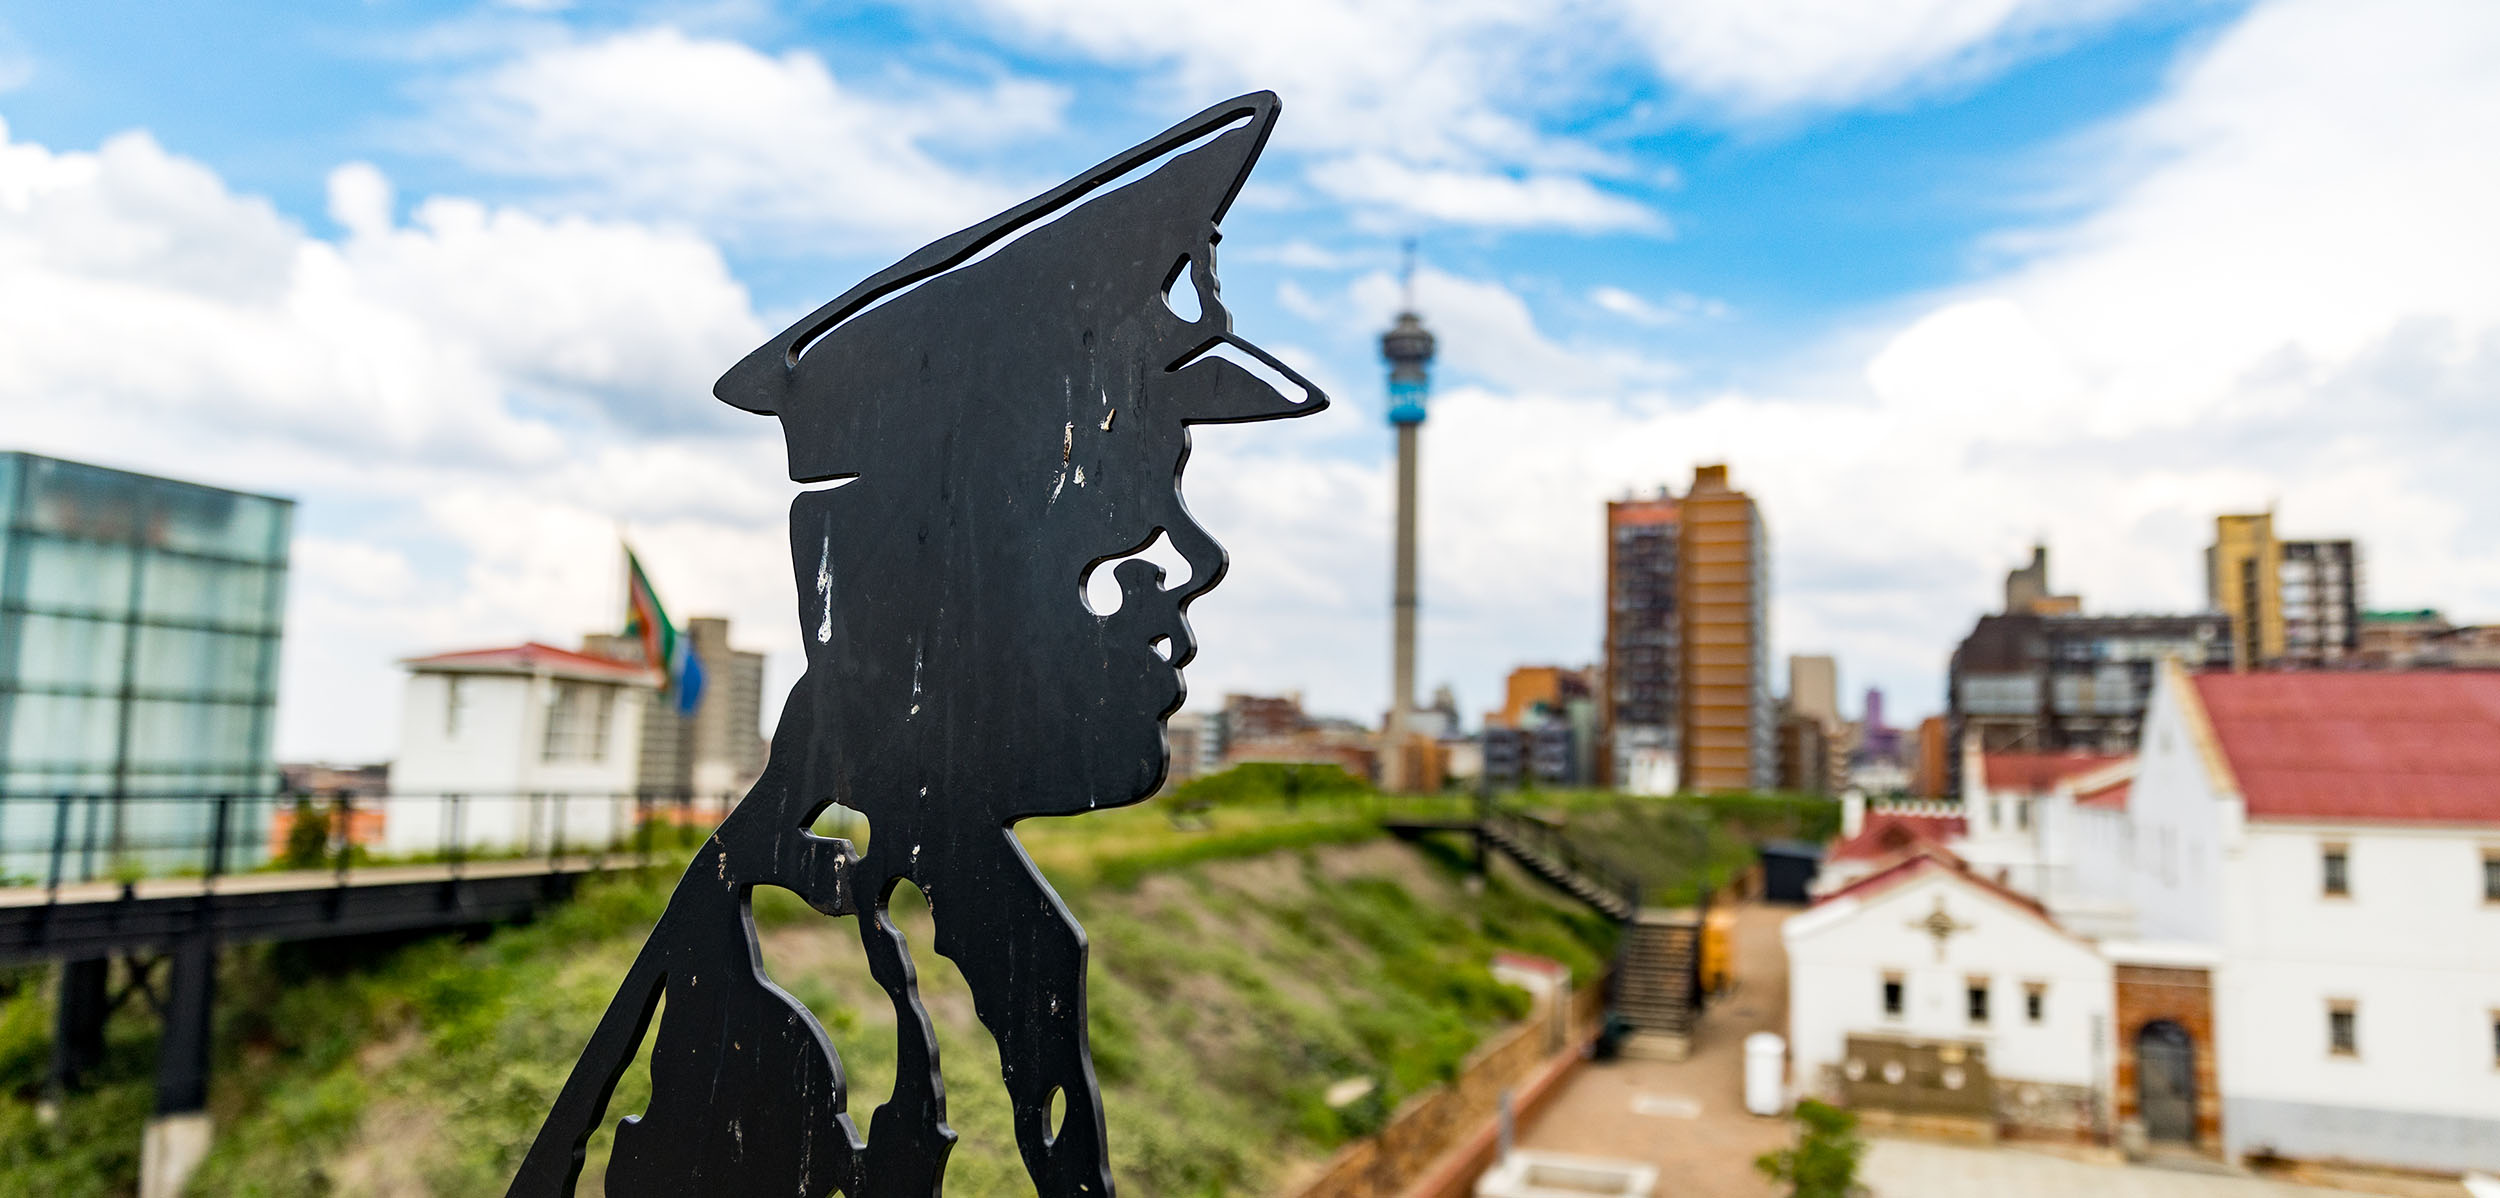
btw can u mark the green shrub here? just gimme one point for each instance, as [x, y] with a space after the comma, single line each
[1824, 1164]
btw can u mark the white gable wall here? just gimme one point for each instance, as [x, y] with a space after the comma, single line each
[2177, 830]
[1839, 953]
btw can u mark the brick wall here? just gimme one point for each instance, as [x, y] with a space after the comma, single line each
[2185, 997]
[1429, 1128]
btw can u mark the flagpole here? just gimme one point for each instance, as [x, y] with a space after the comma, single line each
[624, 573]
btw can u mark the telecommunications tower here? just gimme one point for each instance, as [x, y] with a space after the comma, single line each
[1408, 347]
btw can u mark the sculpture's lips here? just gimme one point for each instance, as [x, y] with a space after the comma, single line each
[1150, 613]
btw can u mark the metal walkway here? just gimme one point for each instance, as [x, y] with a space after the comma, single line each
[94, 919]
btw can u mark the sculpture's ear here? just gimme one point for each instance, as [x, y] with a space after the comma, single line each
[1235, 132]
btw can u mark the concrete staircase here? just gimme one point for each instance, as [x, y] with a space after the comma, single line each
[1657, 965]
[1657, 982]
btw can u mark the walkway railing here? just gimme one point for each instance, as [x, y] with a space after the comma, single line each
[52, 841]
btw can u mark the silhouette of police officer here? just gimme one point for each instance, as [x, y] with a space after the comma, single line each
[1009, 407]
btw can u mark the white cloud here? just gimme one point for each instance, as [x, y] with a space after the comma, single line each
[1482, 198]
[1429, 111]
[1758, 58]
[1675, 308]
[658, 123]
[1304, 255]
[636, 320]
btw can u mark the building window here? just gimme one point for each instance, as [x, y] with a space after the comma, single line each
[455, 703]
[1892, 996]
[2035, 1003]
[2341, 1037]
[1978, 1001]
[2491, 875]
[2335, 867]
[2495, 1037]
[578, 715]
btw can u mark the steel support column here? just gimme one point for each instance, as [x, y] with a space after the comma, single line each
[182, 1060]
[177, 1136]
[78, 1022]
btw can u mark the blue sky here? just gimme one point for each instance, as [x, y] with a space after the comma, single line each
[1936, 277]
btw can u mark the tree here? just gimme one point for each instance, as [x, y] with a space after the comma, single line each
[307, 835]
[1824, 1164]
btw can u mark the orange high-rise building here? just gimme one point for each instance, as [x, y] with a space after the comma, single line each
[1729, 737]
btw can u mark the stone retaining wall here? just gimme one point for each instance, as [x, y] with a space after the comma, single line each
[1430, 1127]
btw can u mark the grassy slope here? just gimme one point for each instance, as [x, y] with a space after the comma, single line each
[1238, 971]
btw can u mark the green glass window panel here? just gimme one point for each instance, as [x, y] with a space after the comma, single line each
[85, 502]
[36, 781]
[70, 651]
[8, 510]
[57, 733]
[166, 732]
[191, 662]
[218, 523]
[192, 589]
[76, 576]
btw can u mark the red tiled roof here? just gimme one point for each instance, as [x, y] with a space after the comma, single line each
[2392, 746]
[2038, 773]
[532, 657]
[1926, 859]
[1887, 833]
[2112, 796]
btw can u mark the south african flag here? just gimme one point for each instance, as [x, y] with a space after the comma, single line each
[647, 621]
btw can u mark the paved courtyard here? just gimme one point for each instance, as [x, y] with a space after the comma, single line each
[1915, 1169]
[1687, 1117]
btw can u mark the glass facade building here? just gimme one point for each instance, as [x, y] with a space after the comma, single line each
[139, 630]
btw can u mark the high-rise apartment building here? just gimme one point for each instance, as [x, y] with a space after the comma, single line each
[2321, 586]
[1729, 732]
[2290, 602]
[139, 626]
[717, 750]
[1637, 707]
[2243, 573]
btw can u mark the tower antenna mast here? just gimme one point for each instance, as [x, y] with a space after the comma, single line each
[1406, 277]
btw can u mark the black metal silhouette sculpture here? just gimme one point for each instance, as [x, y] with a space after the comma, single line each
[1010, 405]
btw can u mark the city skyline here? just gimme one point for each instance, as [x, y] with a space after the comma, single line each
[1937, 286]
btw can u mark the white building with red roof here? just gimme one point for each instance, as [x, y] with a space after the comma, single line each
[526, 747]
[1874, 835]
[1930, 992]
[2316, 857]
[2292, 892]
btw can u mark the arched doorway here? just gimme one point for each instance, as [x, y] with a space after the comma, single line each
[2165, 1082]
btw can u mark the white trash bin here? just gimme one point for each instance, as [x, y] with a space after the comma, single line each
[1766, 1068]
